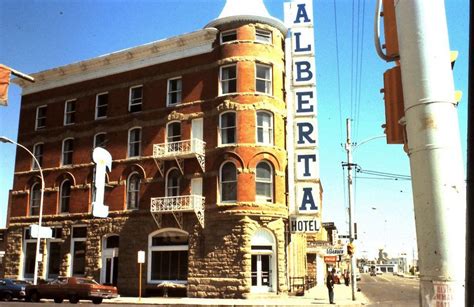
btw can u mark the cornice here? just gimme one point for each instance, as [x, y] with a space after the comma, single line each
[153, 53]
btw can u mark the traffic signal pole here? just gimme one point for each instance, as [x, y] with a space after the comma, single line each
[434, 150]
[350, 165]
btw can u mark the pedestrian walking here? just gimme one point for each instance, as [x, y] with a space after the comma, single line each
[347, 278]
[330, 285]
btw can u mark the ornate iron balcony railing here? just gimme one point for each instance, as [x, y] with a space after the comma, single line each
[177, 205]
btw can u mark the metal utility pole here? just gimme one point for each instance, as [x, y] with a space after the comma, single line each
[434, 150]
[351, 205]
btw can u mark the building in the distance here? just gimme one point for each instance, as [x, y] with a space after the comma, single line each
[196, 126]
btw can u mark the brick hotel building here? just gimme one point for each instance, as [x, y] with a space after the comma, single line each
[196, 128]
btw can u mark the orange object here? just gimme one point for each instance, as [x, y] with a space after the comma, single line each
[5, 73]
[394, 106]
[390, 29]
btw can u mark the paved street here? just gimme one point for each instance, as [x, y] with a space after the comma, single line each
[390, 290]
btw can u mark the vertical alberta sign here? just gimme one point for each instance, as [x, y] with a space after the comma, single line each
[302, 138]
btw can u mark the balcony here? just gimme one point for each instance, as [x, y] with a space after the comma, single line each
[179, 151]
[177, 205]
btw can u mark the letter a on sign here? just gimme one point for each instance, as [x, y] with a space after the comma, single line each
[103, 161]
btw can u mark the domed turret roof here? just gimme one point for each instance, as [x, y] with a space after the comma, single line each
[246, 10]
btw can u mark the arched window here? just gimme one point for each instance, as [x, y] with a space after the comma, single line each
[172, 183]
[65, 196]
[35, 198]
[264, 128]
[133, 191]
[264, 182]
[227, 127]
[228, 176]
[168, 256]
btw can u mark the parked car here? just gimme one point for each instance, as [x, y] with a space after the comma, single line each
[357, 276]
[71, 288]
[12, 288]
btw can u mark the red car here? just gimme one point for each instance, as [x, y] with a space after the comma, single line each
[71, 288]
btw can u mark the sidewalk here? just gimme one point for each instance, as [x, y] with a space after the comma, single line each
[317, 296]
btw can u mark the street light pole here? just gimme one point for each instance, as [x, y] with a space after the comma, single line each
[38, 240]
[351, 206]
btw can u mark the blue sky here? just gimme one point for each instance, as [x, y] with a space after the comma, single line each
[39, 35]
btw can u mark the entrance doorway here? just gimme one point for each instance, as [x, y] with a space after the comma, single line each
[261, 272]
[110, 260]
[262, 261]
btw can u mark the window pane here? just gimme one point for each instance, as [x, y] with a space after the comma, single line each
[35, 199]
[41, 117]
[136, 95]
[263, 79]
[69, 112]
[54, 259]
[228, 129]
[174, 132]
[174, 91]
[228, 182]
[102, 101]
[112, 242]
[79, 232]
[263, 36]
[29, 261]
[100, 140]
[263, 171]
[79, 256]
[133, 191]
[38, 153]
[229, 79]
[134, 143]
[229, 36]
[68, 148]
[65, 196]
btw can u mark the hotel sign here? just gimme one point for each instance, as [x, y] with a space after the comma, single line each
[303, 107]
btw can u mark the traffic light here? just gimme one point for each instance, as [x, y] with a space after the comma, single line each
[394, 106]
[390, 30]
[350, 249]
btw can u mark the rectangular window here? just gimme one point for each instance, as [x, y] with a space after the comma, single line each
[228, 36]
[40, 117]
[79, 258]
[169, 265]
[54, 259]
[69, 112]
[29, 259]
[228, 77]
[174, 91]
[134, 142]
[263, 80]
[38, 153]
[68, 149]
[101, 103]
[136, 98]
[78, 252]
[228, 128]
[263, 36]
[264, 128]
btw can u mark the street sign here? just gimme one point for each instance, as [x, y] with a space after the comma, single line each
[42, 232]
[335, 251]
[330, 259]
[141, 256]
